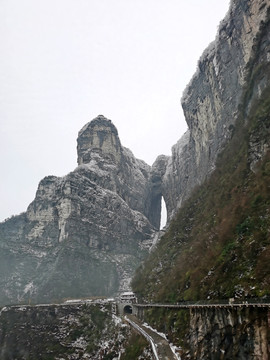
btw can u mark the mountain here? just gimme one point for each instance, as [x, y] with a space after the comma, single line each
[216, 187]
[215, 184]
[84, 233]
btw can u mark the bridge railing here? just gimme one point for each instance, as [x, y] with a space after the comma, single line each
[233, 301]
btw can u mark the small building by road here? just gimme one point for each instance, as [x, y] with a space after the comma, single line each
[128, 297]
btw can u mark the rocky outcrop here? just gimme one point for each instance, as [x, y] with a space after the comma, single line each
[100, 151]
[227, 99]
[173, 174]
[85, 233]
[69, 331]
[215, 332]
[213, 98]
[229, 334]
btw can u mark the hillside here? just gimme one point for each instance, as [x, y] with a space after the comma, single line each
[218, 244]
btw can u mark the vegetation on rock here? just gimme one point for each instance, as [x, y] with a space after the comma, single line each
[218, 245]
[67, 332]
[135, 347]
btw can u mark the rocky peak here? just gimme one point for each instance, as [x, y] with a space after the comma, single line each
[93, 226]
[98, 136]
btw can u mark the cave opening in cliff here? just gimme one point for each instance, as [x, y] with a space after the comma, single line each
[163, 216]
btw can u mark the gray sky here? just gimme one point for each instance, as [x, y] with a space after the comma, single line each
[63, 62]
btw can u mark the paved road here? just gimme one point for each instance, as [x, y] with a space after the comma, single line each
[160, 346]
[205, 305]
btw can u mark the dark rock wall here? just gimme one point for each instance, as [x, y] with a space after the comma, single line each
[73, 331]
[241, 334]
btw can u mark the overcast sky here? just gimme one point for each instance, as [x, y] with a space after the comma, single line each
[63, 62]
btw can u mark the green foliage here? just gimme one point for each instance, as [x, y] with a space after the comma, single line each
[135, 347]
[50, 332]
[228, 248]
[174, 323]
[91, 326]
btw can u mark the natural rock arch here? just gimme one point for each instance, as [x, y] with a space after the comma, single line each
[163, 213]
[157, 190]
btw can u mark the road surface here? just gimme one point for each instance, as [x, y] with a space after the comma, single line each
[160, 346]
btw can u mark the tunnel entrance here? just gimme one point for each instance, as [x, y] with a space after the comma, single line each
[163, 216]
[128, 309]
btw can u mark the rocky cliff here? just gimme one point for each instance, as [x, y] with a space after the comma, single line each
[214, 333]
[85, 233]
[212, 99]
[229, 334]
[71, 331]
[101, 219]
[223, 227]
[216, 187]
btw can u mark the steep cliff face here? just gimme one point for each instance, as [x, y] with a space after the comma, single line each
[229, 334]
[85, 233]
[211, 100]
[214, 333]
[217, 245]
[100, 151]
[74, 331]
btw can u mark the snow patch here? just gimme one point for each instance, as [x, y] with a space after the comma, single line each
[73, 301]
[156, 238]
[173, 347]
[116, 319]
[28, 287]
[3, 309]
[154, 330]
[80, 343]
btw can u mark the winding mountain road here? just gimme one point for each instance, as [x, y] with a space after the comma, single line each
[160, 346]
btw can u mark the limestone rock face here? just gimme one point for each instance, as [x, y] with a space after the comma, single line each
[85, 233]
[212, 99]
[101, 155]
[229, 334]
[100, 135]
[173, 174]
